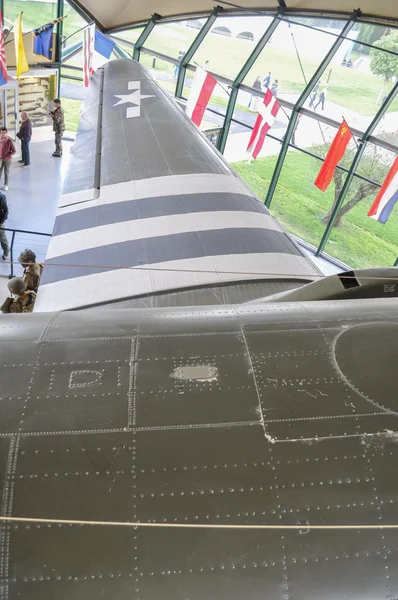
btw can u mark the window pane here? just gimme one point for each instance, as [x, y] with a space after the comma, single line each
[160, 70]
[131, 35]
[357, 239]
[172, 39]
[35, 13]
[290, 59]
[72, 24]
[229, 44]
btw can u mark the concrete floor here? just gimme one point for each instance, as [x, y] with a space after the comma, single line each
[32, 198]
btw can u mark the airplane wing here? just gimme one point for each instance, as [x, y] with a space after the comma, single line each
[150, 207]
[198, 453]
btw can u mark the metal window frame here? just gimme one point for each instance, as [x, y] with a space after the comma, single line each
[354, 165]
[222, 140]
[189, 54]
[300, 103]
[144, 36]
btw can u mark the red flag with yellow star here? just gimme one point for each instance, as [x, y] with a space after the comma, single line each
[335, 154]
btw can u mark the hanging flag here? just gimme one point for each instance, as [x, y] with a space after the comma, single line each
[3, 64]
[43, 39]
[335, 154]
[265, 119]
[88, 53]
[20, 56]
[103, 47]
[387, 196]
[201, 91]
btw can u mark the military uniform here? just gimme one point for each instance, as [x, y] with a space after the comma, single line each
[31, 276]
[59, 128]
[23, 303]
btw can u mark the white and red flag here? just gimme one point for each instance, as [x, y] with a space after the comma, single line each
[88, 54]
[265, 119]
[201, 91]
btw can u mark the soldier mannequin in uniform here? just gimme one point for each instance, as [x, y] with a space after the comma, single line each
[57, 116]
[32, 270]
[23, 301]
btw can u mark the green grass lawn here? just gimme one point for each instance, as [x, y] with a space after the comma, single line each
[350, 88]
[72, 113]
[39, 13]
[299, 205]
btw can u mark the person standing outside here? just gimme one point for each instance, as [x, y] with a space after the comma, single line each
[58, 118]
[7, 149]
[253, 99]
[274, 88]
[3, 218]
[25, 134]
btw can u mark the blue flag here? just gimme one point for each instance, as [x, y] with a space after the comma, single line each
[103, 45]
[43, 39]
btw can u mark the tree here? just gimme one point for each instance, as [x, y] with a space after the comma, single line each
[383, 64]
[373, 166]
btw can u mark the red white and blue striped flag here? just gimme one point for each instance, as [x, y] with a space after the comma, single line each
[387, 197]
[266, 117]
[3, 64]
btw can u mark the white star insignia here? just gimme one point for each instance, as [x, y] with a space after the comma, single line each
[134, 97]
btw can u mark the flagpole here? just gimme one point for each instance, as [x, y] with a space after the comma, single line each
[77, 31]
[218, 83]
[352, 133]
[31, 31]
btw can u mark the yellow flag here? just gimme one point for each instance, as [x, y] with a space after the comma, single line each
[20, 56]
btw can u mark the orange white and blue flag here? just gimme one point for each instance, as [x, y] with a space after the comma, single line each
[387, 197]
[3, 65]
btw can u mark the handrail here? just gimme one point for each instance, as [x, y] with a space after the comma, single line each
[14, 231]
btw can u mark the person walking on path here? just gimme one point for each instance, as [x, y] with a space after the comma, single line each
[25, 134]
[3, 218]
[253, 99]
[267, 80]
[314, 94]
[7, 149]
[322, 99]
[58, 118]
[180, 56]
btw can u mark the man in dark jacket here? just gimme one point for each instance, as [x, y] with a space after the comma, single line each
[25, 134]
[3, 219]
[7, 149]
[57, 116]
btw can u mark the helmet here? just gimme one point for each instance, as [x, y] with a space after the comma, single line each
[16, 285]
[27, 256]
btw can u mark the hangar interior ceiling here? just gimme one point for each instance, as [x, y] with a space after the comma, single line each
[120, 13]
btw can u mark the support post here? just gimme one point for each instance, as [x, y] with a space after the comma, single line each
[396, 263]
[301, 101]
[60, 13]
[350, 175]
[186, 59]
[222, 138]
[144, 36]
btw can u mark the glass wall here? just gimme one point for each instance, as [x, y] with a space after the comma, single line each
[354, 84]
[357, 239]
[35, 12]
